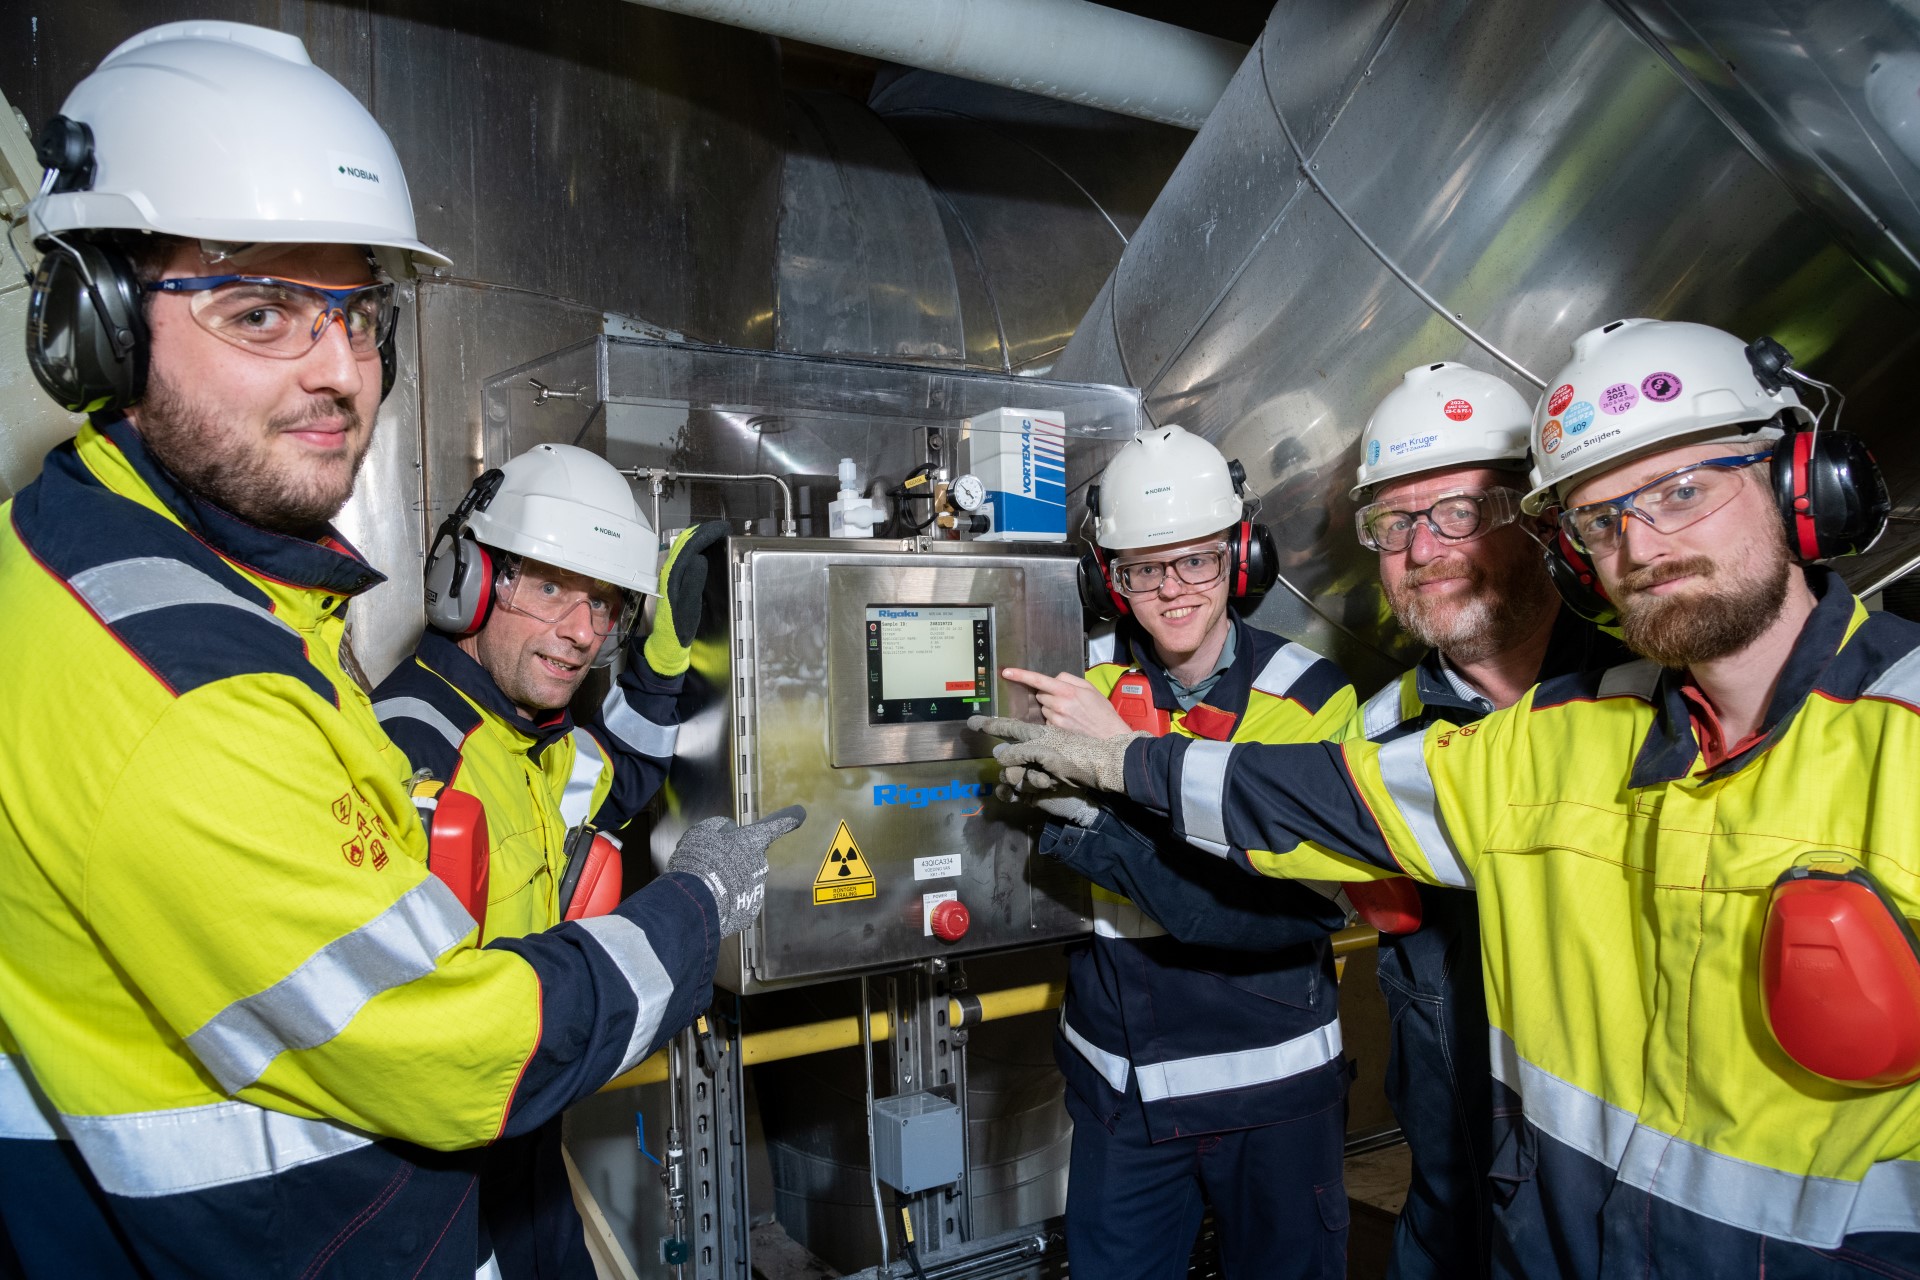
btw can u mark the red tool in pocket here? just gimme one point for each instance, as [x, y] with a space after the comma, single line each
[457, 850]
[590, 885]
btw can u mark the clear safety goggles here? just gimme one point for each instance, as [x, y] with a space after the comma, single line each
[1196, 566]
[1668, 503]
[533, 594]
[1457, 517]
[285, 319]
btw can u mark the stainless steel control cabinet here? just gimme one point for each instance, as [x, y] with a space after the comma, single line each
[784, 706]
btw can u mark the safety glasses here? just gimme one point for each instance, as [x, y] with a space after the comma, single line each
[1457, 517]
[285, 319]
[1196, 566]
[533, 594]
[1668, 503]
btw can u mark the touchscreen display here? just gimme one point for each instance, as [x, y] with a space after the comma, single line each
[928, 662]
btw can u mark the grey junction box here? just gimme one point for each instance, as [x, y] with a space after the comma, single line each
[918, 1142]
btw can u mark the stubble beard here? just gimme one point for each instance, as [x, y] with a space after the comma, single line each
[1680, 630]
[1492, 616]
[187, 439]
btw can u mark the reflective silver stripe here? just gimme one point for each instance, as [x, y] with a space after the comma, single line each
[1284, 669]
[627, 946]
[144, 583]
[1634, 679]
[1185, 1077]
[1403, 767]
[1813, 1211]
[164, 1153]
[1382, 712]
[1123, 920]
[576, 802]
[1112, 1067]
[1564, 1112]
[312, 1004]
[1203, 794]
[1900, 682]
[423, 711]
[635, 730]
[1102, 643]
[23, 1112]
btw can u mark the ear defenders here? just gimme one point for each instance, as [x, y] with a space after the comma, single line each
[87, 338]
[1253, 563]
[460, 572]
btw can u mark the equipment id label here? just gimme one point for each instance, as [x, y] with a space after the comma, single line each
[940, 867]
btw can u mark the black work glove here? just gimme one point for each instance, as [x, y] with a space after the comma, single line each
[683, 579]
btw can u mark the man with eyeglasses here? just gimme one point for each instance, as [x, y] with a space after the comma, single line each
[535, 582]
[1694, 871]
[244, 1031]
[1442, 465]
[1200, 1037]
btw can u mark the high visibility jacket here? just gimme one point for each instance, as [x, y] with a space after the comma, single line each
[536, 780]
[1227, 1031]
[226, 977]
[1437, 1079]
[1652, 1125]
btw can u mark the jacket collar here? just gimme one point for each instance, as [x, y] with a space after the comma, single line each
[439, 654]
[1670, 749]
[329, 563]
[1575, 645]
[1225, 703]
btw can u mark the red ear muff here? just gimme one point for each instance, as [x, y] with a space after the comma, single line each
[1576, 580]
[1832, 498]
[1098, 596]
[1255, 564]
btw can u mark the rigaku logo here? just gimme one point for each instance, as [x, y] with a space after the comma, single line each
[899, 613]
[921, 797]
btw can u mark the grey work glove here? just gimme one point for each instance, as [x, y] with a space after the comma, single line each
[1074, 758]
[733, 862]
[1065, 804]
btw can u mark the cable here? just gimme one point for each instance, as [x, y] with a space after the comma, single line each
[912, 1249]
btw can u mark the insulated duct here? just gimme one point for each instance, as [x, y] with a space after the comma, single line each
[1065, 49]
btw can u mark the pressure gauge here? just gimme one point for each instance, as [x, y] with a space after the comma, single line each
[968, 493]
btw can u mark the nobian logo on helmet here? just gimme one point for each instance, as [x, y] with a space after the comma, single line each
[611, 533]
[921, 797]
[351, 171]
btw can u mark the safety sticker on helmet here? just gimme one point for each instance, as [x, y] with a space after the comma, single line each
[1562, 397]
[1550, 435]
[1660, 387]
[1619, 398]
[1578, 417]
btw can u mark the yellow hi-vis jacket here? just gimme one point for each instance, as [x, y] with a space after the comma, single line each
[225, 974]
[1652, 1124]
[538, 780]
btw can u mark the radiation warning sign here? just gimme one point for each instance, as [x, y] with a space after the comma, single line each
[844, 874]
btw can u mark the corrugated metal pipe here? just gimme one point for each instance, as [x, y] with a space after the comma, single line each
[1066, 49]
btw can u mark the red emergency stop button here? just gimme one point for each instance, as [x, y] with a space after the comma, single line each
[950, 920]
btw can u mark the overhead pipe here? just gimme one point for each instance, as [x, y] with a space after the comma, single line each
[1071, 50]
[965, 1010]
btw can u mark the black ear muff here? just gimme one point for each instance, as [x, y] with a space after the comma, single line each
[1832, 498]
[86, 329]
[1574, 577]
[1098, 596]
[389, 363]
[1255, 564]
[459, 573]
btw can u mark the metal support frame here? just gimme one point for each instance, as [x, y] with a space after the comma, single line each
[712, 1104]
[929, 1053]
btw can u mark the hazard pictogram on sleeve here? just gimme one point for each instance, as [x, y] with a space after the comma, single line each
[844, 875]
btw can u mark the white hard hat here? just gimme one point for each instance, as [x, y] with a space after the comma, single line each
[1639, 386]
[227, 132]
[1164, 486]
[1442, 415]
[567, 507]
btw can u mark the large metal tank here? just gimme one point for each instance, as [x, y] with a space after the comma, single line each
[1386, 184]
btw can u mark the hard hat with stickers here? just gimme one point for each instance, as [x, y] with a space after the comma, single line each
[1442, 415]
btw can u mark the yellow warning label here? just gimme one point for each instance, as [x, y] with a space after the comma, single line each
[844, 875]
